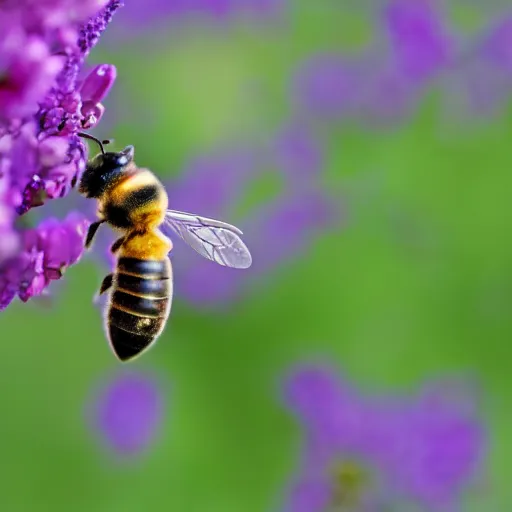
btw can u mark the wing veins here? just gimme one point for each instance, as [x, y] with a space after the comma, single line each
[220, 242]
[215, 249]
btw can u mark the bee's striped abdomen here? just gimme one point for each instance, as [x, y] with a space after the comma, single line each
[139, 306]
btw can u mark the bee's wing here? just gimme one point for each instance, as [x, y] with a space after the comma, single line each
[213, 239]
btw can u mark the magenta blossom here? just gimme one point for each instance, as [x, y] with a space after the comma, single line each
[45, 254]
[46, 99]
[365, 453]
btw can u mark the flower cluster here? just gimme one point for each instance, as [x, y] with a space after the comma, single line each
[45, 253]
[379, 453]
[45, 101]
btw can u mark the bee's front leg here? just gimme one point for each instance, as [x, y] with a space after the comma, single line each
[106, 284]
[117, 244]
[92, 232]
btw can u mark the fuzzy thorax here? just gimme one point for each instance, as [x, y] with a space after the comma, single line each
[148, 245]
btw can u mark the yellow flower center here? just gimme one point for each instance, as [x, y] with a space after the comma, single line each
[349, 479]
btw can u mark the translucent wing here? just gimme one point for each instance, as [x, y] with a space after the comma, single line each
[213, 239]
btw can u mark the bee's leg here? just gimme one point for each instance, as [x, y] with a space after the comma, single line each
[117, 244]
[92, 231]
[106, 284]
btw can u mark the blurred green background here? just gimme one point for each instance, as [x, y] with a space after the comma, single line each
[416, 284]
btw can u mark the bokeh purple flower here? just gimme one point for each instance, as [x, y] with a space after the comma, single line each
[415, 49]
[127, 412]
[46, 99]
[364, 453]
[421, 43]
[380, 83]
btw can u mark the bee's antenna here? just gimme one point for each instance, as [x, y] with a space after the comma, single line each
[98, 141]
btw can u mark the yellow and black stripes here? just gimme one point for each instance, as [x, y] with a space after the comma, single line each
[139, 305]
[138, 201]
[135, 202]
[123, 213]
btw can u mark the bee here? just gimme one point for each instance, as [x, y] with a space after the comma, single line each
[135, 203]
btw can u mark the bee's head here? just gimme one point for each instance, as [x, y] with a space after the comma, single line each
[103, 170]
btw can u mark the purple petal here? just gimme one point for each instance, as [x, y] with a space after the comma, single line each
[63, 243]
[98, 83]
[28, 77]
[47, 251]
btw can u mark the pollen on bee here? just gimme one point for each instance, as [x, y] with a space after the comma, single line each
[143, 322]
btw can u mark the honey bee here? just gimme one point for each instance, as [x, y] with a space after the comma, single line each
[134, 202]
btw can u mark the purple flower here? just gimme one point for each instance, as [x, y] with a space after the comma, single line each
[421, 44]
[25, 74]
[127, 412]
[46, 98]
[45, 254]
[375, 453]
